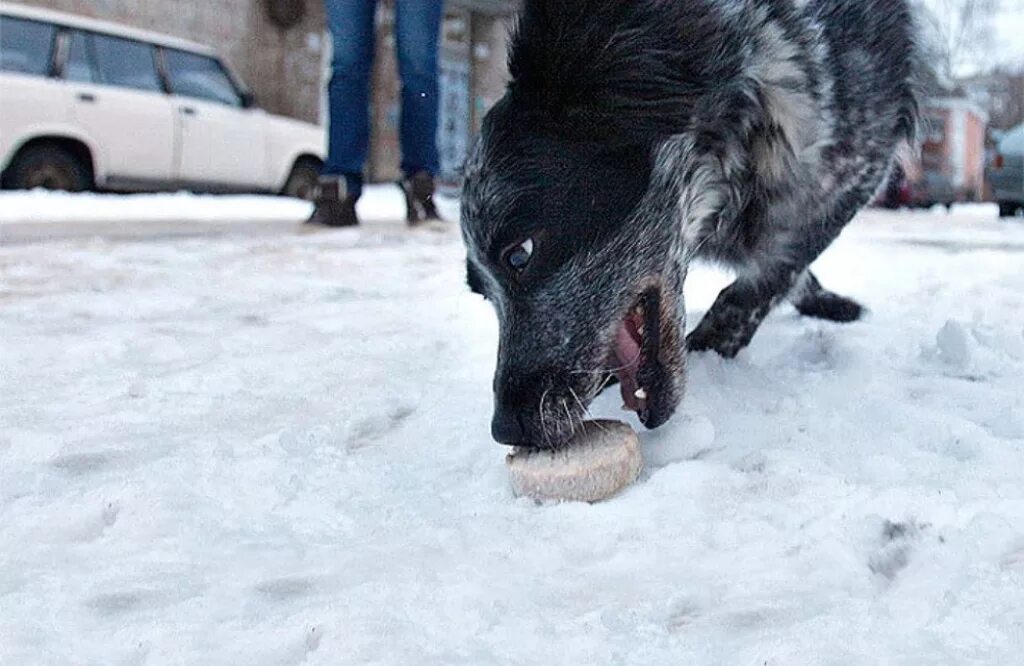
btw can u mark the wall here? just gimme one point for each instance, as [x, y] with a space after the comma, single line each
[489, 36]
[975, 155]
[954, 145]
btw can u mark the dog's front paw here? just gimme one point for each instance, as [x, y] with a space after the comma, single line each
[726, 343]
[726, 328]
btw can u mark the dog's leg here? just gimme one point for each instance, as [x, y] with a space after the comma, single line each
[812, 300]
[731, 322]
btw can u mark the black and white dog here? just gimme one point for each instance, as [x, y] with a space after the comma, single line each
[638, 135]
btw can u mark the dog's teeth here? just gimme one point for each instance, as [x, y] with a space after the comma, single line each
[640, 394]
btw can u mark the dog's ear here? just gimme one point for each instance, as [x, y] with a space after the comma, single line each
[618, 71]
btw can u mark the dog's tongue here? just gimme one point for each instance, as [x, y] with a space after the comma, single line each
[627, 362]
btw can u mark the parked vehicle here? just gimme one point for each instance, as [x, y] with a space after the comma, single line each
[950, 165]
[89, 104]
[1006, 173]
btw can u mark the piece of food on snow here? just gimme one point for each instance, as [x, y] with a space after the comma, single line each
[601, 459]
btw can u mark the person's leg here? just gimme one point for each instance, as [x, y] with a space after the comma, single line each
[417, 32]
[351, 25]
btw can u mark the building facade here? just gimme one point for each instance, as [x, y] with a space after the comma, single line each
[954, 146]
[282, 51]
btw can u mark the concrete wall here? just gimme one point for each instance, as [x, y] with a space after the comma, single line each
[489, 35]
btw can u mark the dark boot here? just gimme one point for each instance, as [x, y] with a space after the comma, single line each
[333, 207]
[419, 198]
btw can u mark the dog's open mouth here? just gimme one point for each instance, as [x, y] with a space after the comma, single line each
[634, 355]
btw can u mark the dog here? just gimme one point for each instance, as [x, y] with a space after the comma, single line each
[636, 137]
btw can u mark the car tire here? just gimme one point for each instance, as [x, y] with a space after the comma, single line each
[1008, 208]
[303, 180]
[50, 167]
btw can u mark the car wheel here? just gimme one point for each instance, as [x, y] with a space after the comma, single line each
[50, 167]
[303, 180]
[1008, 208]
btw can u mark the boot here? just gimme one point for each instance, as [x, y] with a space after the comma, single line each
[419, 198]
[333, 207]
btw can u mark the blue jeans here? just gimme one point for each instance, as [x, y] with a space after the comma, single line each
[417, 32]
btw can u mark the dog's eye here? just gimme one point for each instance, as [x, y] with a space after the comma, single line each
[517, 257]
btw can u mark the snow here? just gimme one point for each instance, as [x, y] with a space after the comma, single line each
[378, 203]
[275, 450]
[39, 215]
[41, 206]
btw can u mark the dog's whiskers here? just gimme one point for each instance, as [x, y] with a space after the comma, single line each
[543, 419]
[607, 380]
[568, 414]
[585, 410]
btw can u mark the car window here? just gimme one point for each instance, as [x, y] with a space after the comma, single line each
[80, 64]
[26, 46]
[200, 76]
[125, 62]
[1013, 142]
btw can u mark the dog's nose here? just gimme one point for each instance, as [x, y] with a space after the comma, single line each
[506, 427]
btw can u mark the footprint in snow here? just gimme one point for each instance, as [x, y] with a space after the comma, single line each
[374, 427]
[118, 603]
[1014, 559]
[897, 543]
[285, 589]
[80, 464]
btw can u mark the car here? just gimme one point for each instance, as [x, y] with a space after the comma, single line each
[1006, 172]
[89, 104]
[932, 188]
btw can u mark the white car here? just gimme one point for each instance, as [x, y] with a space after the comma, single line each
[87, 104]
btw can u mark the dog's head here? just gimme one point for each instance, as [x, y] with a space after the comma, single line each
[570, 210]
[584, 287]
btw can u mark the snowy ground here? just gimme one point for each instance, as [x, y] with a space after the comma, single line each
[275, 450]
[40, 216]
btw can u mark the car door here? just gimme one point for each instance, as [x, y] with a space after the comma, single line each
[222, 141]
[119, 101]
[31, 101]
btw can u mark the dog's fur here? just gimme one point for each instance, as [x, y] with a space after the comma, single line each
[636, 136]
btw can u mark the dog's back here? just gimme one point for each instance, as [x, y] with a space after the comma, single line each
[837, 83]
